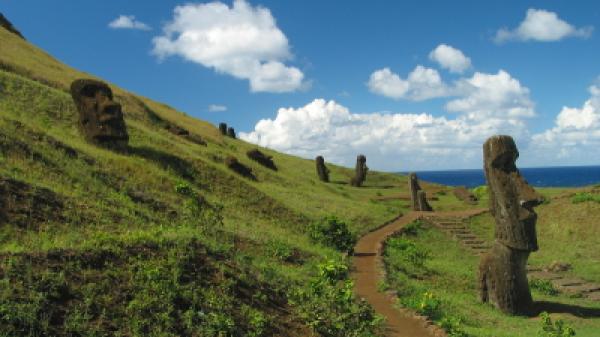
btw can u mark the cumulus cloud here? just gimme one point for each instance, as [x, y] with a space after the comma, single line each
[542, 25]
[389, 140]
[216, 108]
[128, 22]
[242, 41]
[575, 135]
[450, 58]
[488, 95]
[421, 84]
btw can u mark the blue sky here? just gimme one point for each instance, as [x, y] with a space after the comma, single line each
[334, 77]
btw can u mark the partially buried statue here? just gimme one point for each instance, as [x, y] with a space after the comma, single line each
[418, 197]
[502, 271]
[100, 118]
[322, 170]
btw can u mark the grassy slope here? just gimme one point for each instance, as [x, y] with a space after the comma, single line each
[123, 209]
[566, 233]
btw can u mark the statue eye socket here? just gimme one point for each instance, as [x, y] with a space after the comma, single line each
[89, 91]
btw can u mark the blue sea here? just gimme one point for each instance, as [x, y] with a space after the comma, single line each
[567, 176]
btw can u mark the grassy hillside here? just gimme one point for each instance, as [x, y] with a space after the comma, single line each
[162, 239]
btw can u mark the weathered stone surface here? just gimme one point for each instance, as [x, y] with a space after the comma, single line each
[4, 23]
[413, 189]
[100, 118]
[261, 158]
[231, 132]
[502, 271]
[557, 266]
[360, 170]
[233, 164]
[223, 128]
[503, 279]
[322, 170]
[462, 193]
[422, 203]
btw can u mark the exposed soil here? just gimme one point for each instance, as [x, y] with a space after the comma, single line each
[368, 271]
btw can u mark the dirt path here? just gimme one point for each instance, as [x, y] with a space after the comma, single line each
[369, 271]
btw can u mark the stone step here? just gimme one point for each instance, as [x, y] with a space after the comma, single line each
[543, 275]
[473, 242]
[464, 236]
[581, 289]
[450, 227]
[566, 282]
[480, 247]
[461, 232]
[594, 296]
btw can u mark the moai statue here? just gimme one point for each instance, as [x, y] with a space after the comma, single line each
[231, 132]
[422, 203]
[223, 128]
[413, 188]
[360, 171]
[100, 118]
[322, 170]
[502, 271]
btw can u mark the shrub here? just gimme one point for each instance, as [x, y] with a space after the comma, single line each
[334, 233]
[585, 197]
[453, 327]
[409, 251]
[543, 286]
[554, 329]
[426, 304]
[480, 191]
[328, 305]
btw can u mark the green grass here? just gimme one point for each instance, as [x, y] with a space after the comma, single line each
[444, 286]
[143, 212]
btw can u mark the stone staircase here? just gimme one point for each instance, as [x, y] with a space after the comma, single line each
[457, 229]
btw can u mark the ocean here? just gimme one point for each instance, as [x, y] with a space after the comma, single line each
[566, 176]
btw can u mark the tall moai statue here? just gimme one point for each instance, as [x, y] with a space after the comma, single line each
[231, 132]
[223, 128]
[502, 270]
[100, 118]
[322, 170]
[361, 169]
[418, 197]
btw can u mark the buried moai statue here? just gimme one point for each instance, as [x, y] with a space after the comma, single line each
[361, 169]
[502, 270]
[223, 128]
[418, 197]
[100, 118]
[322, 170]
[231, 132]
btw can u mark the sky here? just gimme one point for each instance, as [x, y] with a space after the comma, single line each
[413, 85]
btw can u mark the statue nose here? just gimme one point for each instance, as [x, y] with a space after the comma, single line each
[110, 111]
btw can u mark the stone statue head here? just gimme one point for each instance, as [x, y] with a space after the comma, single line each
[512, 199]
[100, 118]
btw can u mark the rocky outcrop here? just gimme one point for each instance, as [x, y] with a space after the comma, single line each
[233, 164]
[261, 158]
[322, 170]
[223, 128]
[462, 193]
[4, 23]
[231, 132]
[502, 271]
[360, 171]
[100, 117]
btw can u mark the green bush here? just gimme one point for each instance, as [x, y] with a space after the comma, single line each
[543, 286]
[413, 228]
[453, 327]
[328, 305]
[334, 233]
[554, 329]
[480, 191]
[426, 304]
[585, 197]
[409, 251]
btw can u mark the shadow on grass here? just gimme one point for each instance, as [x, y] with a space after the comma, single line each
[562, 308]
[167, 161]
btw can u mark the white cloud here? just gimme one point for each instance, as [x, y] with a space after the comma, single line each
[542, 25]
[575, 136]
[421, 84]
[128, 22]
[241, 40]
[216, 108]
[488, 95]
[390, 141]
[450, 58]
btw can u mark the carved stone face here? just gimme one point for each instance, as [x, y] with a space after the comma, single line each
[100, 118]
[511, 198]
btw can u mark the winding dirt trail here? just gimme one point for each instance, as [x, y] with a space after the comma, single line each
[368, 271]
